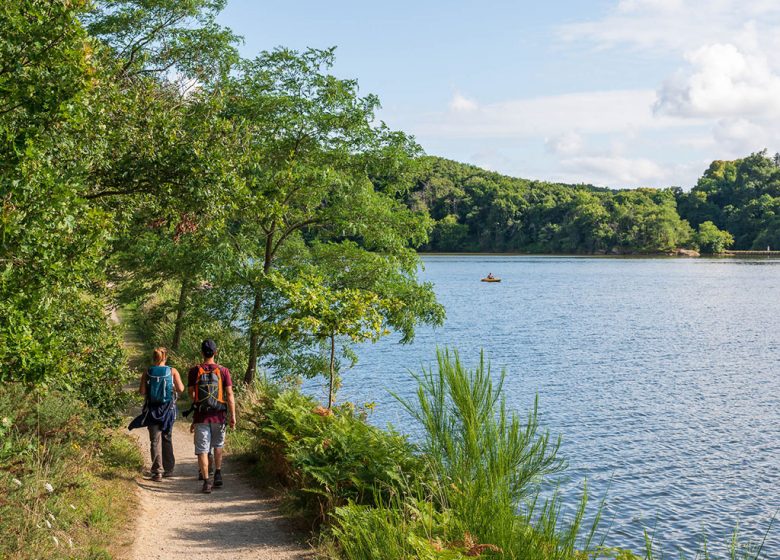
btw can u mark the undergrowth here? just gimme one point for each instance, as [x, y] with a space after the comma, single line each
[65, 480]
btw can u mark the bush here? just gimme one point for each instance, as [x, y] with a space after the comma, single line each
[395, 532]
[325, 459]
[711, 240]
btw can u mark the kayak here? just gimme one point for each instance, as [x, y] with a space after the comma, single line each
[491, 280]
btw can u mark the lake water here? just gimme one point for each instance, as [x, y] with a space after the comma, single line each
[661, 375]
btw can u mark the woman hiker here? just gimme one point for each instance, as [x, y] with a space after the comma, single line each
[160, 385]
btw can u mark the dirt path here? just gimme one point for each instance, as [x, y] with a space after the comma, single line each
[176, 520]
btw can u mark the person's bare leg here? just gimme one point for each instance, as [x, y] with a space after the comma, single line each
[217, 458]
[203, 465]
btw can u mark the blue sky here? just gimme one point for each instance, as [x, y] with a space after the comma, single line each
[621, 93]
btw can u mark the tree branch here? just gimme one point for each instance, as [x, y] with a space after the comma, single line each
[286, 233]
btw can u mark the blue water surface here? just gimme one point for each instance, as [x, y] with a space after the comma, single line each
[661, 375]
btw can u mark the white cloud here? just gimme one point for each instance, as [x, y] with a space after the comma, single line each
[626, 172]
[720, 99]
[460, 103]
[722, 81]
[550, 116]
[615, 170]
[491, 159]
[566, 144]
[677, 25]
[727, 81]
[741, 136]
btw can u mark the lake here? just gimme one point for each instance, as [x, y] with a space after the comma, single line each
[662, 376]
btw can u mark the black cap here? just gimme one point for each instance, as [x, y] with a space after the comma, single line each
[208, 347]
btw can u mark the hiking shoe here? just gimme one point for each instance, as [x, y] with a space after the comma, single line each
[157, 477]
[217, 479]
[207, 486]
[168, 474]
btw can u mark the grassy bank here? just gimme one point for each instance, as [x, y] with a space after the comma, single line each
[67, 481]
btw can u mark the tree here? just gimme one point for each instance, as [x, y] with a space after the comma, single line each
[149, 38]
[712, 240]
[317, 167]
[449, 235]
[50, 238]
[177, 164]
[740, 196]
[347, 293]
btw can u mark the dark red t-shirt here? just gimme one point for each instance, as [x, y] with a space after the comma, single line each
[219, 416]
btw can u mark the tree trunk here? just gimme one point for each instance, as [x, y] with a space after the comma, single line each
[251, 367]
[254, 346]
[184, 292]
[332, 369]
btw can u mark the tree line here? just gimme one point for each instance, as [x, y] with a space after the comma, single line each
[734, 204]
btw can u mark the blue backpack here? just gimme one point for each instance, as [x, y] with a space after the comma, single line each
[159, 384]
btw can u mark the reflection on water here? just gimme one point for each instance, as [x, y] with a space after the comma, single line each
[660, 374]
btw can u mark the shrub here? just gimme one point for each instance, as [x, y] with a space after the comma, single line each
[325, 459]
[394, 532]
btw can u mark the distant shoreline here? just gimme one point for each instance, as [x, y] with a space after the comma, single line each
[728, 254]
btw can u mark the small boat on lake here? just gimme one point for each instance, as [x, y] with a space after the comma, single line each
[491, 280]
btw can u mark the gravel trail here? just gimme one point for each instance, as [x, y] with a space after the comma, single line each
[175, 520]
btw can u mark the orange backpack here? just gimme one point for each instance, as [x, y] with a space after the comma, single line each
[209, 394]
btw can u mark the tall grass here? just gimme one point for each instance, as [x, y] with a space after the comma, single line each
[488, 463]
[66, 482]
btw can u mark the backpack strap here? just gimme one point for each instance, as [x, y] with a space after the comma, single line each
[186, 413]
[147, 385]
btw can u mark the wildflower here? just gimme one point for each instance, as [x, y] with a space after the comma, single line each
[56, 540]
[17, 482]
[49, 488]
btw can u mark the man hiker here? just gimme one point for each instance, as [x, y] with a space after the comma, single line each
[211, 390]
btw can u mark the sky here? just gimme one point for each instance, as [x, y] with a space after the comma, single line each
[618, 93]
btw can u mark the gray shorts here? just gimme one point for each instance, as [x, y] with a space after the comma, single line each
[208, 436]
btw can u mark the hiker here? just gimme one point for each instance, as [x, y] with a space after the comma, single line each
[160, 385]
[211, 390]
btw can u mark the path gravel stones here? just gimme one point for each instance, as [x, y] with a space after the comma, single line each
[177, 521]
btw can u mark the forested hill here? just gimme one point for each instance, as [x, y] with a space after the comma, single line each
[479, 210]
[742, 197]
